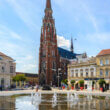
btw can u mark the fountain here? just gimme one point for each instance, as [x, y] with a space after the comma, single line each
[71, 97]
[54, 99]
[36, 98]
[89, 97]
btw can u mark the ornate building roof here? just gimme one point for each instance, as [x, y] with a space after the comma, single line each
[104, 52]
[3, 55]
[66, 54]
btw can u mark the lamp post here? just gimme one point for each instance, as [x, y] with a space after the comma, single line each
[59, 69]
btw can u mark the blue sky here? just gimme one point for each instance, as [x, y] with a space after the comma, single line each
[21, 21]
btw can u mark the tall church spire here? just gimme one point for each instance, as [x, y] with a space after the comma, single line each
[48, 52]
[72, 48]
[48, 10]
[48, 4]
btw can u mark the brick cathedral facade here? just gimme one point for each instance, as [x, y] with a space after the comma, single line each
[48, 53]
[51, 57]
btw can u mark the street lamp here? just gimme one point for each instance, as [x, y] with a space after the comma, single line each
[59, 69]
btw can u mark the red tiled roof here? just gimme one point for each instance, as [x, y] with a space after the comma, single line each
[104, 52]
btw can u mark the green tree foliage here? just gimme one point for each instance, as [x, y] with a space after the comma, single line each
[81, 82]
[102, 82]
[19, 77]
[72, 82]
[65, 81]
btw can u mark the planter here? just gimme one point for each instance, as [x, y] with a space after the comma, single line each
[72, 88]
[63, 87]
[81, 88]
[101, 89]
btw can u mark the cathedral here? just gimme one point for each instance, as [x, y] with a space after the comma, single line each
[53, 60]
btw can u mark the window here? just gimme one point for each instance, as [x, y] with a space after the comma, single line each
[45, 34]
[11, 69]
[76, 74]
[42, 30]
[53, 53]
[107, 72]
[3, 69]
[81, 72]
[44, 53]
[106, 61]
[54, 65]
[43, 65]
[101, 62]
[1, 58]
[72, 73]
[86, 74]
[101, 72]
[92, 74]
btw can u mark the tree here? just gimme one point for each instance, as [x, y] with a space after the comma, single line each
[72, 82]
[81, 82]
[65, 81]
[102, 82]
[19, 77]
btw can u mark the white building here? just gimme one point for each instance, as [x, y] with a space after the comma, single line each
[7, 70]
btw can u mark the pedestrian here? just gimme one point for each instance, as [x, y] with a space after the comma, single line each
[0, 87]
[37, 87]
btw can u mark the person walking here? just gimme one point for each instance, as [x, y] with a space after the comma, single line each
[37, 87]
[0, 87]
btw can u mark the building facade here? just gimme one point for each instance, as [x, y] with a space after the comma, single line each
[84, 69]
[103, 66]
[91, 69]
[7, 70]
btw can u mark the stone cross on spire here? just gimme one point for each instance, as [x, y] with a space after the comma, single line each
[48, 4]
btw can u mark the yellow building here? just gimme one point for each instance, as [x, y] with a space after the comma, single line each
[84, 69]
[91, 69]
[103, 66]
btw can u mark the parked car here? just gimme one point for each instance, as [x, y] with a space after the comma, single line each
[46, 87]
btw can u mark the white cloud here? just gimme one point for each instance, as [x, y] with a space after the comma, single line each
[62, 42]
[6, 32]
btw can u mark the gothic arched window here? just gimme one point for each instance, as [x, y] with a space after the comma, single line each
[53, 53]
[44, 53]
[54, 65]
